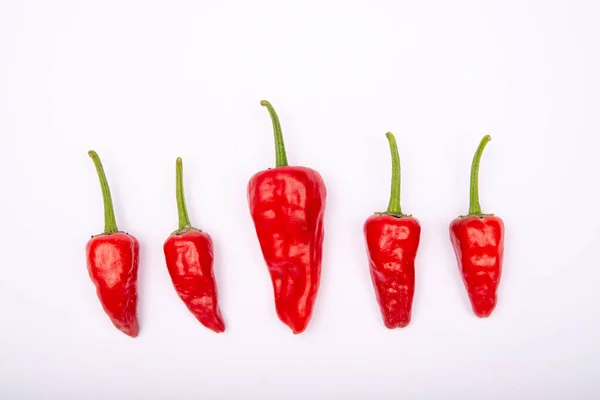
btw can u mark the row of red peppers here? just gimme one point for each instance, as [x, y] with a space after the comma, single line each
[287, 205]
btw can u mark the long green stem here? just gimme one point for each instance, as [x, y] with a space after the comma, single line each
[280, 156]
[474, 206]
[184, 219]
[110, 223]
[394, 204]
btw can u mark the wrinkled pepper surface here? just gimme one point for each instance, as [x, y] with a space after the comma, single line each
[287, 205]
[189, 258]
[478, 241]
[392, 240]
[112, 262]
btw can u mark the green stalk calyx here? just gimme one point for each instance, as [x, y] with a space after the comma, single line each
[474, 206]
[280, 156]
[394, 208]
[110, 223]
[184, 219]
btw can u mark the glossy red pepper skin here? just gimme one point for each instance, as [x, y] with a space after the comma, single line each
[478, 242]
[479, 246]
[392, 240]
[287, 205]
[392, 245]
[112, 262]
[189, 258]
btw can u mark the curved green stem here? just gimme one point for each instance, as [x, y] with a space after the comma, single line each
[394, 204]
[280, 156]
[474, 206]
[184, 219]
[110, 223]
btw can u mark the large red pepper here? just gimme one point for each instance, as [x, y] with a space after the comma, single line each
[112, 261]
[189, 257]
[287, 205]
[478, 241]
[392, 241]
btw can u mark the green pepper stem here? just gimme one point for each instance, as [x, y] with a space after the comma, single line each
[110, 223]
[394, 204]
[474, 206]
[280, 156]
[184, 219]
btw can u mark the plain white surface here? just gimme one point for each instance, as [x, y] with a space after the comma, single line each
[144, 82]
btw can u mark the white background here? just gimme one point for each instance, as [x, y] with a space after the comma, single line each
[144, 82]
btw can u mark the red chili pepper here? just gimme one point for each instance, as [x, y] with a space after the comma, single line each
[478, 241]
[112, 262]
[287, 205]
[392, 241]
[189, 256]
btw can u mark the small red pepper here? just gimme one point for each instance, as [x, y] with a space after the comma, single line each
[112, 262]
[392, 241]
[287, 206]
[478, 241]
[189, 257]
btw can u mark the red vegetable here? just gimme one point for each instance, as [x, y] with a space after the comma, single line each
[112, 262]
[287, 205]
[189, 256]
[392, 241]
[478, 241]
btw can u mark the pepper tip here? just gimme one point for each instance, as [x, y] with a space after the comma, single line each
[92, 153]
[297, 328]
[264, 103]
[132, 329]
